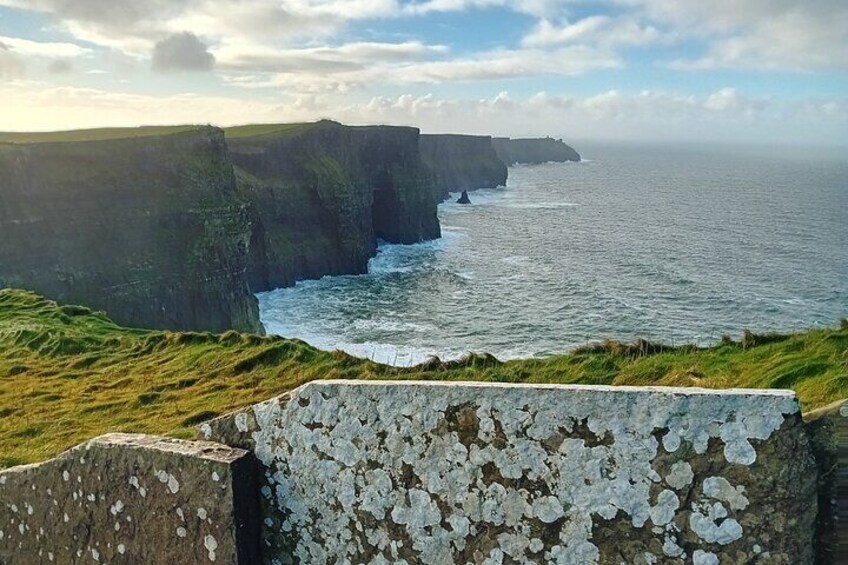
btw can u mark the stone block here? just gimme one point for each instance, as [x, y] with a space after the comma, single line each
[444, 473]
[124, 498]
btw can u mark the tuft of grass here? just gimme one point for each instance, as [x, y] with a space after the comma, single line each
[68, 374]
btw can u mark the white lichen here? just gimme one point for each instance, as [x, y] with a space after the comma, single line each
[720, 489]
[420, 448]
[701, 557]
[211, 544]
[680, 476]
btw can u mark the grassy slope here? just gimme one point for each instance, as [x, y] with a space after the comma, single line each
[100, 134]
[257, 130]
[68, 374]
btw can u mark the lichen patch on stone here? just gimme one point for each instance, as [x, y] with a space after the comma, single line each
[474, 473]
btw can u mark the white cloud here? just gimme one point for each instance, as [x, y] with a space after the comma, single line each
[26, 47]
[757, 34]
[307, 74]
[325, 59]
[11, 65]
[595, 30]
[724, 114]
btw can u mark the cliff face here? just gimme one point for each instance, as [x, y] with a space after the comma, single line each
[324, 193]
[149, 229]
[462, 162]
[531, 151]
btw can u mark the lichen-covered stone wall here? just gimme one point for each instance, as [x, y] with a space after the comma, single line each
[367, 472]
[131, 499]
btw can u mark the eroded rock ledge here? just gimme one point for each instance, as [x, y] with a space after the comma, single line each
[447, 473]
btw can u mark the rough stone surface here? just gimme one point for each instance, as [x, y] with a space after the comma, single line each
[366, 472]
[124, 498]
[828, 432]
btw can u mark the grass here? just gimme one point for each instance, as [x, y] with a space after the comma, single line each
[258, 130]
[68, 374]
[100, 134]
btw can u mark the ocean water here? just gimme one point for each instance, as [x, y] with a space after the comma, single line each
[678, 244]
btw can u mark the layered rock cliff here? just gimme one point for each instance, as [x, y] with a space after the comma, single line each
[533, 151]
[177, 227]
[324, 193]
[148, 228]
[462, 162]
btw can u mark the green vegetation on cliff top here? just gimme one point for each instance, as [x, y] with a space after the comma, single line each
[100, 134]
[258, 130]
[68, 374]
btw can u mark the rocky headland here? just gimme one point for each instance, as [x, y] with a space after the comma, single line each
[324, 193]
[462, 162]
[177, 227]
[533, 151]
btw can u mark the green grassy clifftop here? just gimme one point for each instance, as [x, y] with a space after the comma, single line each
[68, 374]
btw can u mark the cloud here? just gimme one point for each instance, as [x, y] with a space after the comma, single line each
[345, 57]
[312, 77]
[182, 52]
[541, 8]
[596, 30]
[60, 66]
[726, 114]
[11, 66]
[41, 48]
[757, 34]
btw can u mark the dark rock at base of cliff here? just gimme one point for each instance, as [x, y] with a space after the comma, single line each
[463, 199]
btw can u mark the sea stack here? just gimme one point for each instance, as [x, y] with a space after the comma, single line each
[463, 199]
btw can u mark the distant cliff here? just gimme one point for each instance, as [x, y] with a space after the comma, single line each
[148, 228]
[531, 151]
[324, 193]
[462, 162]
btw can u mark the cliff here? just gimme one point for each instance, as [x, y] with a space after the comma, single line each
[532, 151]
[145, 224]
[324, 193]
[462, 162]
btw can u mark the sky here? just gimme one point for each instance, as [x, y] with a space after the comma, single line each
[762, 71]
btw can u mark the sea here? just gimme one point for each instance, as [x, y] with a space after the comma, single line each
[680, 243]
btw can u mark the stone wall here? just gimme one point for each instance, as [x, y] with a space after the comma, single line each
[131, 499]
[376, 472]
[441, 473]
